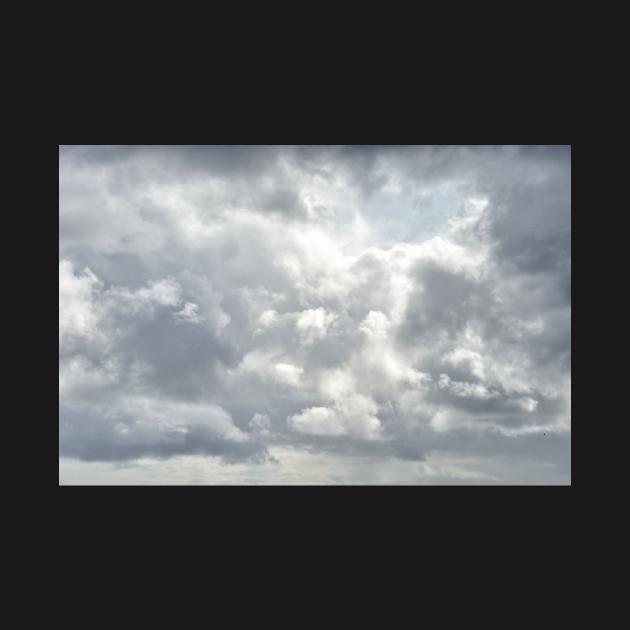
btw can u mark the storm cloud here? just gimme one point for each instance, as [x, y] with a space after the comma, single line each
[315, 314]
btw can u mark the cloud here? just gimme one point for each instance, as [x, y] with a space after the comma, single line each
[317, 421]
[137, 426]
[401, 303]
[313, 324]
[77, 315]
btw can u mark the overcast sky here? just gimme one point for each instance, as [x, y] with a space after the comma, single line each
[314, 315]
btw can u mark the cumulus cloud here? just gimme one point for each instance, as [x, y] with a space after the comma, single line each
[317, 421]
[240, 304]
[313, 323]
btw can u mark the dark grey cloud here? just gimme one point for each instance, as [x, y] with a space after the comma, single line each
[96, 434]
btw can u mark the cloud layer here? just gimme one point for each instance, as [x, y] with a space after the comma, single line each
[315, 314]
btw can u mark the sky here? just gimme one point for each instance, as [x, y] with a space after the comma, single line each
[381, 315]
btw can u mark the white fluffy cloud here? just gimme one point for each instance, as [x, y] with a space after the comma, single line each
[77, 315]
[233, 302]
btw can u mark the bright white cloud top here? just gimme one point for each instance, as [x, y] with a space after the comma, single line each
[273, 315]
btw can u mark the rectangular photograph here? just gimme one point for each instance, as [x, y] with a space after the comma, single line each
[325, 315]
